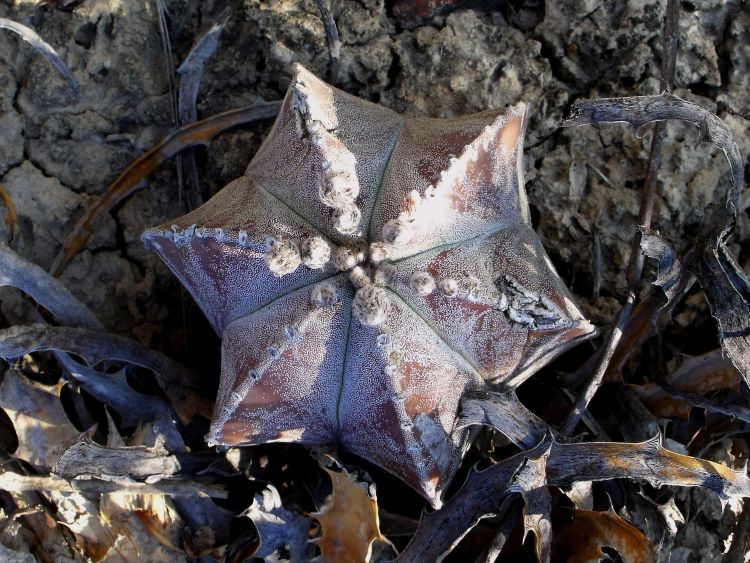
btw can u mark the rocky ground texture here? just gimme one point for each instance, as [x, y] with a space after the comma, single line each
[422, 58]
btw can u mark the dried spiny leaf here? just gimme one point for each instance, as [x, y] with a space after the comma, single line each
[727, 290]
[505, 413]
[483, 491]
[43, 428]
[281, 532]
[640, 110]
[582, 540]
[531, 482]
[96, 346]
[349, 519]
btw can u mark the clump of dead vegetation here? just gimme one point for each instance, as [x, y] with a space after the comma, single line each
[587, 482]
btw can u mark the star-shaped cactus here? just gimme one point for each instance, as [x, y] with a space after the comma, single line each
[366, 271]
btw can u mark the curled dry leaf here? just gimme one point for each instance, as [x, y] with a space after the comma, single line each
[505, 413]
[197, 133]
[281, 532]
[44, 289]
[44, 430]
[178, 383]
[191, 69]
[582, 540]
[43, 48]
[727, 290]
[349, 524]
[641, 110]
[669, 270]
[697, 375]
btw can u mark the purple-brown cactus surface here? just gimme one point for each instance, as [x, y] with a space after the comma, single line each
[366, 271]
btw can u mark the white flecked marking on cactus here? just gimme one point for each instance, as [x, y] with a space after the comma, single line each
[242, 238]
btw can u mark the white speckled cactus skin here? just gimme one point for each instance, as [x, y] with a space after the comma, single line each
[364, 273]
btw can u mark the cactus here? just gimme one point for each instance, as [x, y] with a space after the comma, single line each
[366, 271]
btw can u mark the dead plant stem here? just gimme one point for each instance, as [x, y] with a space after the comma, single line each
[635, 262]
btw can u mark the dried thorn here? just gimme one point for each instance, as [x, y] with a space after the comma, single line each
[44, 49]
[128, 182]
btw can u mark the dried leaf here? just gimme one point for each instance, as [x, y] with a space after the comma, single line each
[113, 390]
[582, 540]
[137, 463]
[282, 533]
[197, 133]
[727, 290]
[44, 430]
[505, 413]
[531, 482]
[669, 270]
[332, 38]
[349, 519]
[43, 48]
[11, 218]
[45, 290]
[641, 110]
[191, 69]
[484, 491]
[96, 346]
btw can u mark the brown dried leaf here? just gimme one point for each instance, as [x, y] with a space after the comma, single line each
[196, 133]
[11, 217]
[349, 519]
[44, 430]
[699, 375]
[582, 540]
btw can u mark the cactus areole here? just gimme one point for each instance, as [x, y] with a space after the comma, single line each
[366, 271]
